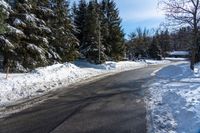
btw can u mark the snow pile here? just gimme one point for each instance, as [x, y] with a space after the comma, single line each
[173, 104]
[156, 62]
[176, 59]
[179, 53]
[42, 80]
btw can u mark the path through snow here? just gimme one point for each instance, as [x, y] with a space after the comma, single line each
[173, 104]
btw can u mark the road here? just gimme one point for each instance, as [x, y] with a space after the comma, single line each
[113, 104]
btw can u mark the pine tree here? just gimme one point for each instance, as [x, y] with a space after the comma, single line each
[80, 21]
[92, 48]
[166, 43]
[28, 33]
[105, 26]
[2, 21]
[64, 42]
[114, 37]
[7, 49]
[154, 50]
[42, 9]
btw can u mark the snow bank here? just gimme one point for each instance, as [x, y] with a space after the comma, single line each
[42, 80]
[156, 62]
[176, 59]
[173, 104]
[179, 53]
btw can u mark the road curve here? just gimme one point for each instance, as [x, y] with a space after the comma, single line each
[110, 105]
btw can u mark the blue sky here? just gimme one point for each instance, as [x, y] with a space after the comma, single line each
[139, 13]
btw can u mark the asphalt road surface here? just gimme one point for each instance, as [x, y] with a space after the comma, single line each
[113, 104]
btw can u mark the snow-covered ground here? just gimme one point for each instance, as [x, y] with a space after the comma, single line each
[178, 53]
[173, 103]
[176, 59]
[42, 80]
[155, 62]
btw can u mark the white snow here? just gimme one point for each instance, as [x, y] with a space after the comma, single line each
[35, 48]
[176, 59]
[15, 30]
[6, 43]
[42, 80]
[4, 4]
[18, 22]
[173, 103]
[31, 17]
[156, 62]
[179, 53]
[45, 28]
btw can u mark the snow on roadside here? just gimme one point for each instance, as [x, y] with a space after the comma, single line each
[176, 59]
[42, 80]
[156, 62]
[173, 103]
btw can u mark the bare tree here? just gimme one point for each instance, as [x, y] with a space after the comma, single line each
[185, 13]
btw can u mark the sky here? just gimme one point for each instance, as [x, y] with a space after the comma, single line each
[139, 13]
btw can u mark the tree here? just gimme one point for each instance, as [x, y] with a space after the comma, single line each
[6, 48]
[92, 48]
[140, 42]
[64, 41]
[104, 16]
[28, 33]
[2, 21]
[181, 39]
[32, 42]
[186, 13]
[80, 22]
[154, 50]
[113, 35]
[163, 39]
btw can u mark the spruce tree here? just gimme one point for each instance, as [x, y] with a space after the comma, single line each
[42, 9]
[154, 50]
[114, 37]
[80, 23]
[105, 26]
[28, 33]
[92, 48]
[166, 43]
[64, 42]
[2, 21]
[7, 49]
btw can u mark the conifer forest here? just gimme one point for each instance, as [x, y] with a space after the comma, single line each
[37, 33]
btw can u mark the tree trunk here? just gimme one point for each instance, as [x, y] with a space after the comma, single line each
[7, 72]
[195, 45]
[193, 58]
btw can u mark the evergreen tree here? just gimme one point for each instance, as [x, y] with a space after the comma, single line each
[64, 42]
[166, 40]
[105, 26]
[80, 21]
[6, 47]
[2, 21]
[139, 42]
[112, 27]
[43, 11]
[92, 48]
[154, 50]
[28, 33]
